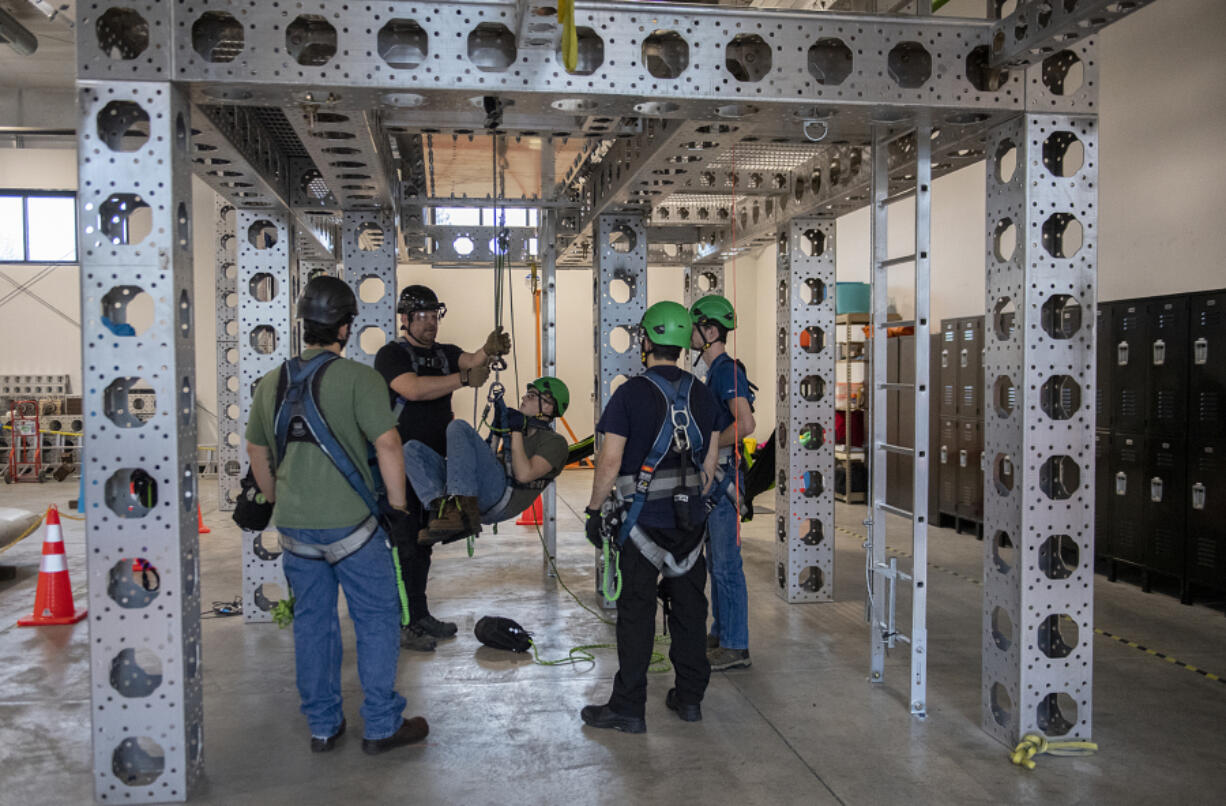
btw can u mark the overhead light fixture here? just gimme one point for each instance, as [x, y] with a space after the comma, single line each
[16, 35]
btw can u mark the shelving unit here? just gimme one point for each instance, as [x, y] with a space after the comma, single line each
[850, 458]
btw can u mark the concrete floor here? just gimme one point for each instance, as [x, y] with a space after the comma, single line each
[801, 726]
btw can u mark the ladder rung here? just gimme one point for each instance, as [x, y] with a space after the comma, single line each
[893, 510]
[898, 386]
[899, 449]
[896, 323]
[894, 261]
[901, 195]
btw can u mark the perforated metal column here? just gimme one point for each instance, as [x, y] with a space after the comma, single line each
[700, 281]
[619, 290]
[369, 251]
[804, 493]
[140, 474]
[1039, 436]
[229, 438]
[264, 240]
[549, 357]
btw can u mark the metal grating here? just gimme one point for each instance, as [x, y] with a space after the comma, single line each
[273, 121]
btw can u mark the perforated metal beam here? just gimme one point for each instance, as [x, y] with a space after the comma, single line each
[265, 240]
[1038, 627]
[134, 140]
[351, 153]
[229, 438]
[1037, 29]
[369, 251]
[804, 411]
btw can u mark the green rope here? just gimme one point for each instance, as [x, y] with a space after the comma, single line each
[404, 597]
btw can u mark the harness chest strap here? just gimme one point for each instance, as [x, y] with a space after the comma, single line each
[436, 361]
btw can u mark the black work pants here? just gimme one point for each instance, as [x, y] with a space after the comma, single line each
[415, 562]
[636, 626]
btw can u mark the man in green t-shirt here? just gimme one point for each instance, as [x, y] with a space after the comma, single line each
[475, 485]
[327, 532]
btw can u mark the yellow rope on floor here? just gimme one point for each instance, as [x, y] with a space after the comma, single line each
[1032, 744]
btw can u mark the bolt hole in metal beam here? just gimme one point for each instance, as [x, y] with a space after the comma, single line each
[747, 57]
[127, 305]
[122, 34]
[591, 52]
[310, 40]
[133, 583]
[403, 44]
[123, 126]
[491, 47]
[131, 493]
[665, 54]
[138, 761]
[1063, 73]
[218, 37]
[136, 672]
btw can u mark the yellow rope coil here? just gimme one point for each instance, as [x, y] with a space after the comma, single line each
[1032, 744]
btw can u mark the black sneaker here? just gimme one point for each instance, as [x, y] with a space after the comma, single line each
[722, 659]
[687, 713]
[602, 716]
[410, 731]
[432, 626]
[415, 638]
[712, 642]
[319, 745]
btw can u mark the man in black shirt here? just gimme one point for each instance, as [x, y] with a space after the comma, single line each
[422, 373]
[668, 526]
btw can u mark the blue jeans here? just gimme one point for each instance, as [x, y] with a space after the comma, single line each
[729, 598]
[369, 581]
[470, 469]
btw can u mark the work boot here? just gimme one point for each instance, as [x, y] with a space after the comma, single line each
[472, 513]
[722, 659]
[435, 628]
[712, 642]
[322, 744]
[602, 716]
[687, 713]
[413, 637]
[449, 525]
[410, 731]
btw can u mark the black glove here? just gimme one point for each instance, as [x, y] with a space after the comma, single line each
[400, 527]
[516, 421]
[593, 526]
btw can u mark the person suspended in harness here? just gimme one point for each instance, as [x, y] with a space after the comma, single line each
[312, 425]
[728, 637]
[420, 374]
[656, 461]
[479, 484]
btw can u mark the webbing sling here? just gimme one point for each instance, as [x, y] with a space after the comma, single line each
[437, 361]
[300, 409]
[672, 431]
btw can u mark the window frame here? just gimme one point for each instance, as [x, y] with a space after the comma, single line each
[25, 194]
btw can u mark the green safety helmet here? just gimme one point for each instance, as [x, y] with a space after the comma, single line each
[715, 310]
[667, 323]
[549, 385]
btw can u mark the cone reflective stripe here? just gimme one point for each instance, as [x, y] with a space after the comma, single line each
[53, 599]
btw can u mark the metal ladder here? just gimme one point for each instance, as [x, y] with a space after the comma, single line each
[882, 574]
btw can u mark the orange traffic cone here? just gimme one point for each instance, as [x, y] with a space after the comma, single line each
[200, 527]
[53, 599]
[532, 515]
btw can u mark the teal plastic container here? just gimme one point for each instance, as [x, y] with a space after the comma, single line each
[852, 298]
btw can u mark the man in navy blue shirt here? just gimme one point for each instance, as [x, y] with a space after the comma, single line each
[669, 529]
[728, 639]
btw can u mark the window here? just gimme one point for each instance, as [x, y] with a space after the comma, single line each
[38, 226]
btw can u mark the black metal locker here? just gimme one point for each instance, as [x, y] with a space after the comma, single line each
[934, 429]
[947, 460]
[1102, 494]
[970, 367]
[1168, 365]
[947, 371]
[970, 474]
[1129, 368]
[1165, 483]
[1207, 367]
[1104, 360]
[1127, 497]
[1206, 492]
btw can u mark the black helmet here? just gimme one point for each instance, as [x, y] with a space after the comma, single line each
[328, 301]
[420, 298]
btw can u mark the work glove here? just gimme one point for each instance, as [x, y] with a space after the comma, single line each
[516, 421]
[400, 527]
[475, 377]
[593, 526]
[497, 342]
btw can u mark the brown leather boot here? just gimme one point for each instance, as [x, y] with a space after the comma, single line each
[472, 513]
[449, 525]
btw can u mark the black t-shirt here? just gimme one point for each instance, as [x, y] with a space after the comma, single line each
[635, 412]
[423, 420]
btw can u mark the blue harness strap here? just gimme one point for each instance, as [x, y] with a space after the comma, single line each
[299, 412]
[677, 428]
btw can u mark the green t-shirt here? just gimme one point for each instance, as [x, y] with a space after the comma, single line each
[552, 446]
[311, 492]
